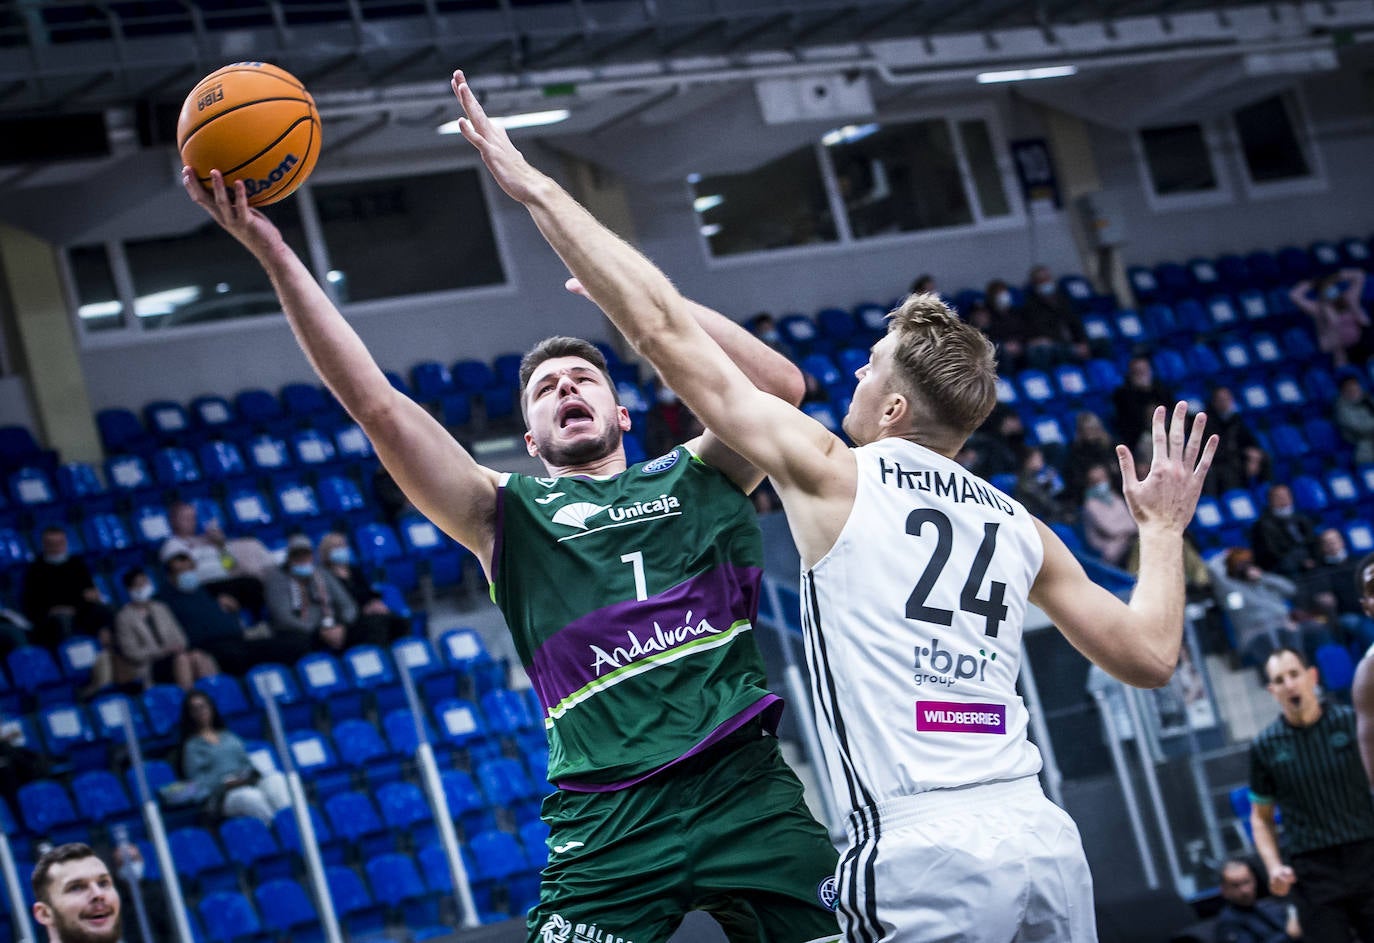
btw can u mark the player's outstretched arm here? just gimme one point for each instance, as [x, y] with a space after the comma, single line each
[433, 470]
[767, 369]
[655, 318]
[1362, 696]
[1138, 642]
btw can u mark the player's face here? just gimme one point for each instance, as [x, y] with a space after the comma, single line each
[573, 415]
[1293, 686]
[82, 903]
[871, 393]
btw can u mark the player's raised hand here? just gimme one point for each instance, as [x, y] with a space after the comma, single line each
[230, 209]
[1167, 497]
[513, 173]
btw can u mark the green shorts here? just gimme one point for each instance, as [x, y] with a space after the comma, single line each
[727, 832]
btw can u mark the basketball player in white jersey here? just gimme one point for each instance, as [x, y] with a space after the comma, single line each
[1362, 690]
[917, 576]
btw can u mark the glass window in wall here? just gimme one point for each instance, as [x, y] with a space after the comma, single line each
[899, 178]
[1269, 141]
[406, 235]
[205, 275]
[1178, 159]
[982, 163]
[778, 204]
[97, 302]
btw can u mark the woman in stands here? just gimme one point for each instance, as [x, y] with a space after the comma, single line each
[1342, 325]
[214, 758]
[150, 646]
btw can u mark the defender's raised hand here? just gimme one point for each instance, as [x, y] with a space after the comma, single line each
[513, 173]
[246, 224]
[1168, 494]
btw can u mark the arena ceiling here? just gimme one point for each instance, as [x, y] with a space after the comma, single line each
[378, 67]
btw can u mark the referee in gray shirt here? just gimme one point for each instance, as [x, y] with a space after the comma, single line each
[1307, 763]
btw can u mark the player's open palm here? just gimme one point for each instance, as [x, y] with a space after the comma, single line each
[230, 209]
[1167, 496]
[512, 172]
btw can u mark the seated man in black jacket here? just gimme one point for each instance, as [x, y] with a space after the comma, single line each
[214, 629]
[1243, 919]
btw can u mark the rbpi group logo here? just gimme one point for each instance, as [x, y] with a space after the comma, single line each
[829, 893]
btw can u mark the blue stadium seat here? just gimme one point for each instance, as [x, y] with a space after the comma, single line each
[463, 728]
[354, 819]
[19, 447]
[1206, 278]
[1099, 330]
[1320, 386]
[1335, 666]
[298, 505]
[496, 857]
[405, 812]
[507, 369]
[505, 783]
[305, 401]
[100, 797]
[213, 415]
[32, 487]
[422, 540]
[1223, 313]
[837, 326]
[151, 524]
[107, 712]
[360, 746]
[1236, 355]
[1233, 272]
[1131, 328]
[342, 501]
[382, 557]
[1295, 265]
[1323, 438]
[455, 409]
[465, 652]
[419, 658]
[76, 656]
[267, 454]
[323, 680]
[1240, 506]
[287, 911]
[47, 810]
[1169, 366]
[35, 674]
[251, 845]
[1267, 349]
[872, 318]
[1046, 430]
[465, 802]
[1253, 398]
[284, 824]
[799, 333]
[1359, 537]
[228, 917]
[1342, 488]
[1287, 393]
[121, 431]
[318, 764]
[534, 838]
[175, 467]
[1326, 258]
[68, 735]
[313, 451]
[1175, 281]
[431, 381]
[370, 668]
[1164, 325]
[1143, 283]
[396, 883]
[250, 514]
[1355, 252]
[296, 711]
[259, 409]
[1103, 375]
[233, 705]
[1253, 306]
[158, 773]
[1298, 344]
[507, 712]
[1264, 269]
[1036, 387]
[80, 483]
[353, 905]
[1309, 495]
[353, 444]
[128, 475]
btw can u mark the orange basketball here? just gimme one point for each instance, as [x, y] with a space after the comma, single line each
[253, 122]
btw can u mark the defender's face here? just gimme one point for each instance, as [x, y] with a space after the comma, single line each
[573, 415]
[866, 405]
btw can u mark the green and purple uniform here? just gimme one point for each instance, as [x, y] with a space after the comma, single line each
[631, 601]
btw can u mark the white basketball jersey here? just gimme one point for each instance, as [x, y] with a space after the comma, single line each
[913, 630]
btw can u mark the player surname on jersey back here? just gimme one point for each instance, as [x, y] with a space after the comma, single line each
[954, 486]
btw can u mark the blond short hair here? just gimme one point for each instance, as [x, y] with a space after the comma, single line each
[947, 366]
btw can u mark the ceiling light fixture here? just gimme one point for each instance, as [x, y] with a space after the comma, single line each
[529, 119]
[1023, 75]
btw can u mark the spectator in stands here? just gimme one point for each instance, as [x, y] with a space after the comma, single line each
[1040, 488]
[1341, 322]
[924, 284]
[1283, 538]
[214, 757]
[375, 623]
[75, 897]
[150, 646]
[309, 602]
[1002, 327]
[1233, 463]
[1354, 414]
[669, 422]
[1332, 589]
[14, 630]
[1136, 399]
[390, 498]
[59, 597]
[1108, 526]
[765, 328]
[1091, 445]
[214, 627]
[1052, 328]
[219, 570]
[19, 762]
[1258, 604]
[1306, 763]
[995, 448]
[1245, 919]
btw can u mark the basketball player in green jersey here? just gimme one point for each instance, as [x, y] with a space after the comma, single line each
[631, 595]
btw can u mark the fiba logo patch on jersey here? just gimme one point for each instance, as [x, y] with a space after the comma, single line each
[828, 893]
[661, 464]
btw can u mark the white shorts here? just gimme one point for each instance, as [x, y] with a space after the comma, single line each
[994, 863]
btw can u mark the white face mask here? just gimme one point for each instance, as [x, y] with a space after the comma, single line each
[1045, 288]
[1002, 299]
[141, 593]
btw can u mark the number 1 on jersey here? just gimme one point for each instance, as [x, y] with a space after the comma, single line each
[991, 608]
[636, 561]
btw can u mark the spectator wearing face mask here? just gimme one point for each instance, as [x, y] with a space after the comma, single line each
[376, 623]
[1135, 401]
[1331, 591]
[1040, 488]
[214, 627]
[1002, 327]
[150, 646]
[1053, 330]
[1354, 415]
[1284, 539]
[1231, 465]
[765, 327]
[1108, 525]
[59, 597]
[309, 602]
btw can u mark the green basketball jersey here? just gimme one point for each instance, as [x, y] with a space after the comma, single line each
[632, 601]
